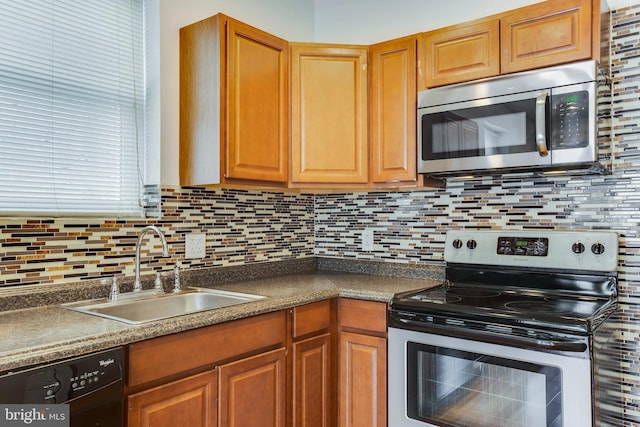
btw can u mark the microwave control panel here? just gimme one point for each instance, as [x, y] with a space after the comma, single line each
[570, 120]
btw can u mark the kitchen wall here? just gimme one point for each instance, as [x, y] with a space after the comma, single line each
[409, 227]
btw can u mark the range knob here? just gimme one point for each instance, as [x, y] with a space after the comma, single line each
[457, 243]
[597, 248]
[471, 244]
[577, 248]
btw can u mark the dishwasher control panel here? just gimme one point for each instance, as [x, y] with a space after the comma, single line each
[63, 381]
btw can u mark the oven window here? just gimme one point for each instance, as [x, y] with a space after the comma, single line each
[481, 131]
[463, 389]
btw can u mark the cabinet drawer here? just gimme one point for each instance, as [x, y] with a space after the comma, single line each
[169, 355]
[311, 318]
[363, 315]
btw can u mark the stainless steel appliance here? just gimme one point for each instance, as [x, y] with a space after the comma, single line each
[518, 335]
[91, 385]
[546, 119]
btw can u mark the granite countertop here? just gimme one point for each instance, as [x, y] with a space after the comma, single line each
[38, 335]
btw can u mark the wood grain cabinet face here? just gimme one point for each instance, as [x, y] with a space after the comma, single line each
[362, 377]
[257, 97]
[461, 53]
[311, 365]
[393, 97]
[329, 114]
[190, 401]
[363, 381]
[312, 382]
[546, 33]
[252, 391]
[233, 103]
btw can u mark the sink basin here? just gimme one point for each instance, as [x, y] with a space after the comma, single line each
[135, 309]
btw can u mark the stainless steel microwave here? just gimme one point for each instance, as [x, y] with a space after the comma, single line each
[547, 119]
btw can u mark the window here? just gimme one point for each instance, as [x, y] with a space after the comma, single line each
[73, 110]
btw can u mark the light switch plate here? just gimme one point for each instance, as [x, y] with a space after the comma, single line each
[195, 245]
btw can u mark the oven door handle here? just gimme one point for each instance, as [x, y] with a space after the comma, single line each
[571, 346]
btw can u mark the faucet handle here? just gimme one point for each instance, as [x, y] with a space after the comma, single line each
[158, 283]
[176, 278]
[115, 289]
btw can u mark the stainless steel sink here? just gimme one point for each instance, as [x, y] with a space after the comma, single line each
[134, 309]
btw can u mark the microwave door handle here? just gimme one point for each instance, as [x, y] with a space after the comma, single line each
[541, 123]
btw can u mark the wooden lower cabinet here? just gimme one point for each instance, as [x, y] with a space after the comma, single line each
[329, 371]
[190, 401]
[362, 377]
[312, 382]
[252, 391]
[363, 380]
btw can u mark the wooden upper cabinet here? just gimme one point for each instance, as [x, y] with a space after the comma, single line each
[460, 53]
[233, 103]
[547, 33]
[328, 114]
[257, 99]
[392, 103]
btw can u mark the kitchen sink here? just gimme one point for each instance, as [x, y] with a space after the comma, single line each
[147, 307]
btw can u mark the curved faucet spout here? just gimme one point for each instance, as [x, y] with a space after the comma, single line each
[165, 252]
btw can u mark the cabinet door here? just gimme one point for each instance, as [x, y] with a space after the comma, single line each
[329, 114]
[393, 69]
[257, 100]
[252, 391]
[187, 402]
[363, 383]
[312, 382]
[547, 33]
[460, 53]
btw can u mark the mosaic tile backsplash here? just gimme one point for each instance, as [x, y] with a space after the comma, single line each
[241, 227]
[246, 227]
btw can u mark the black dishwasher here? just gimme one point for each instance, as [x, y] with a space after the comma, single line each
[92, 386]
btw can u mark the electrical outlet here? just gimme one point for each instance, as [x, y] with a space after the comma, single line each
[194, 245]
[367, 239]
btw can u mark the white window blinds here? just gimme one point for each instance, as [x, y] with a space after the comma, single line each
[72, 108]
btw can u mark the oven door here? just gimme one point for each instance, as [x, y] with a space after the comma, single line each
[437, 380]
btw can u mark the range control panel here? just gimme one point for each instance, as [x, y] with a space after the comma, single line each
[523, 246]
[567, 250]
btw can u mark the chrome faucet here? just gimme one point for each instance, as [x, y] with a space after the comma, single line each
[165, 252]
